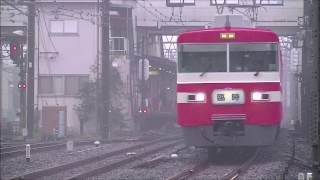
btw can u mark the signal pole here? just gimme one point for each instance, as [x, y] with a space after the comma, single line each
[1, 85]
[105, 65]
[316, 55]
[30, 67]
[143, 93]
[22, 74]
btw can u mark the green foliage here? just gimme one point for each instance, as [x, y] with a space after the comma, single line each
[117, 117]
[87, 106]
[88, 101]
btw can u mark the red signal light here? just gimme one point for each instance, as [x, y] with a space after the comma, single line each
[13, 47]
[22, 85]
[16, 52]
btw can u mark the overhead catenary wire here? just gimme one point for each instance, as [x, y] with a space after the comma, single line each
[160, 17]
[165, 16]
[47, 29]
[41, 31]
[15, 7]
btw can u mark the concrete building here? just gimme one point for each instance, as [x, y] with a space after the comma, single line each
[69, 57]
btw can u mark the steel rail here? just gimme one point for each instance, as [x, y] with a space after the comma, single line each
[236, 173]
[17, 146]
[204, 165]
[152, 163]
[75, 164]
[190, 172]
[110, 167]
[21, 146]
[43, 148]
[15, 151]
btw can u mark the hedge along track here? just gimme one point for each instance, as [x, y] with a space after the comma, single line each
[76, 164]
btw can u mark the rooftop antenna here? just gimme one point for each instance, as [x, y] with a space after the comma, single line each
[228, 24]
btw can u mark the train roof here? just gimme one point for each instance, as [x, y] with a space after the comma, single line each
[213, 35]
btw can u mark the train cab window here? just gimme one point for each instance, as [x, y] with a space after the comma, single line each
[202, 58]
[253, 57]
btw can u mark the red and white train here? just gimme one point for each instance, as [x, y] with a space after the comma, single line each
[229, 87]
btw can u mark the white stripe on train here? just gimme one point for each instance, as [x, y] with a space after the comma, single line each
[274, 96]
[228, 77]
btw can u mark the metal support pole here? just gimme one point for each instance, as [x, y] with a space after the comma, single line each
[30, 67]
[315, 16]
[307, 66]
[23, 99]
[143, 94]
[1, 86]
[105, 84]
[98, 102]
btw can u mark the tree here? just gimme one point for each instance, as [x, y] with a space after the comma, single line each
[117, 93]
[87, 106]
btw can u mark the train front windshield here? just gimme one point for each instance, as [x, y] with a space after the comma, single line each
[240, 57]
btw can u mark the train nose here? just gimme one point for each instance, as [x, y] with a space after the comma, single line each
[227, 124]
[227, 128]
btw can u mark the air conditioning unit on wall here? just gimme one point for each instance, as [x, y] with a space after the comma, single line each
[118, 45]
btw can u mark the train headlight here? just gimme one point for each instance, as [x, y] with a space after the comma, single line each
[200, 97]
[256, 96]
[260, 96]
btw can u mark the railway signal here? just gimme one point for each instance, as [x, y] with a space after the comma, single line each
[22, 85]
[16, 52]
[144, 69]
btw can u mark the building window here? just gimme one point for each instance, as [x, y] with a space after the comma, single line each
[58, 85]
[63, 27]
[73, 84]
[62, 85]
[70, 26]
[56, 26]
[46, 85]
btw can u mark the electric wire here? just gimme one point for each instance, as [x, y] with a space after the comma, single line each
[42, 37]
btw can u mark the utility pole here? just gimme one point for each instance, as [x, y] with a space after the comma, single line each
[143, 93]
[1, 86]
[315, 16]
[144, 75]
[105, 64]
[98, 89]
[30, 67]
[310, 81]
[23, 104]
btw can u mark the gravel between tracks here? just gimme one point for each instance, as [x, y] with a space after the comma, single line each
[103, 162]
[186, 159]
[269, 165]
[17, 165]
[273, 160]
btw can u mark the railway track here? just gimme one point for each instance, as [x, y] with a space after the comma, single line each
[21, 146]
[76, 164]
[233, 175]
[152, 163]
[190, 172]
[14, 151]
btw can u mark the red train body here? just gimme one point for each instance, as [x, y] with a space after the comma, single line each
[229, 87]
